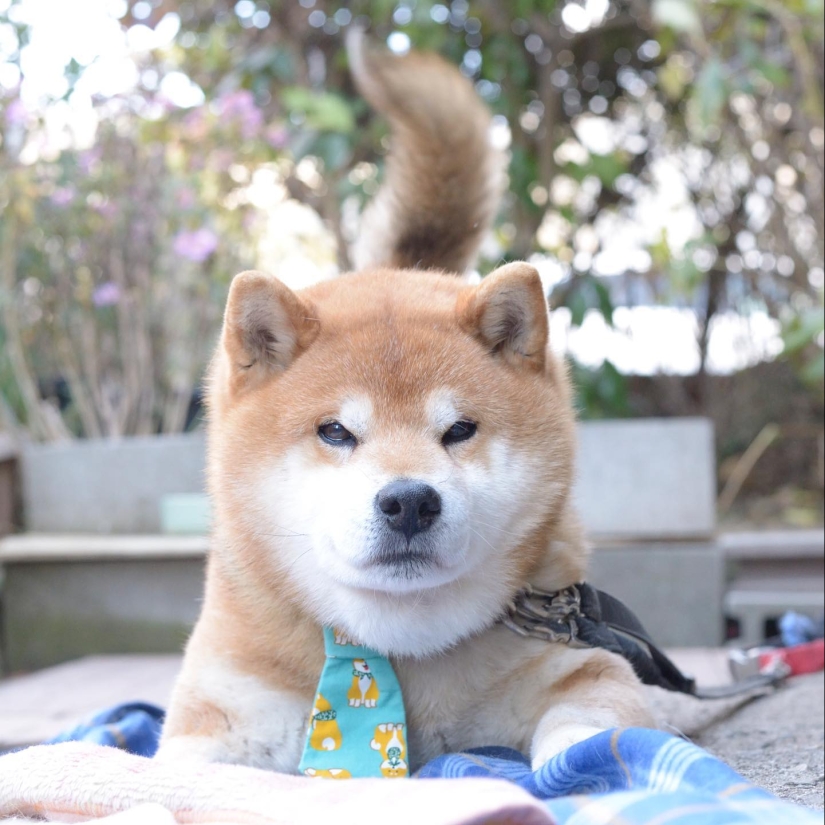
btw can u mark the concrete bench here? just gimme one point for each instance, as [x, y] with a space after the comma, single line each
[770, 573]
[148, 588]
[8, 483]
[66, 596]
[644, 479]
[75, 585]
[108, 486]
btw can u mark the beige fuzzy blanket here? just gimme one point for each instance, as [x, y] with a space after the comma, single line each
[78, 782]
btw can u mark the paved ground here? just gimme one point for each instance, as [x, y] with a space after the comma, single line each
[775, 741]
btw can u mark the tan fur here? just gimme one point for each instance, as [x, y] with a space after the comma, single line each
[444, 178]
[403, 354]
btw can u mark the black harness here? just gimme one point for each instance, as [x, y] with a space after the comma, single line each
[582, 617]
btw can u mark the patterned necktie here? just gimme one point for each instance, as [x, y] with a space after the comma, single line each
[357, 724]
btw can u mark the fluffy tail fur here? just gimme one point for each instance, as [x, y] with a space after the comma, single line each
[443, 177]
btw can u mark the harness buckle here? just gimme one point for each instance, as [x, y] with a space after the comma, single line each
[551, 617]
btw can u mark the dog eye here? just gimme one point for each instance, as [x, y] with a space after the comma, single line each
[460, 431]
[336, 434]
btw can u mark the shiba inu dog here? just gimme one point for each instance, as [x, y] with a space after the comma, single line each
[391, 455]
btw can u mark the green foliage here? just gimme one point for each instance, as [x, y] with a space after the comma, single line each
[804, 330]
[727, 92]
[607, 168]
[803, 339]
[601, 392]
[325, 112]
[682, 16]
[583, 294]
[710, 93]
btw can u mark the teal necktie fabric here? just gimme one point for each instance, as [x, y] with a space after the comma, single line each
[357, 727]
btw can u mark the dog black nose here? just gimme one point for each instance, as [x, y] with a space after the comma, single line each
[409, 506]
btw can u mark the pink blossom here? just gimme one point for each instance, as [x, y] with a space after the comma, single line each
[195, 245]
[277, 137]
[62, 196]
[240, 107]
[185, 198]
[221, 159]
[89, 159]
[165, 104]
[16, 113]
[107, 208]
[106, 295]
[195, 125]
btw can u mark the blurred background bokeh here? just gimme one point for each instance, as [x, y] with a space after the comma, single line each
[666, 179]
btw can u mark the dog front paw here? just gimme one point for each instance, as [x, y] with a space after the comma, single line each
[560, 740]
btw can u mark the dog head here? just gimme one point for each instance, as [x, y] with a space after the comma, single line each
[390, 448]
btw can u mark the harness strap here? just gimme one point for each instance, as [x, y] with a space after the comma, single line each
[583, 617]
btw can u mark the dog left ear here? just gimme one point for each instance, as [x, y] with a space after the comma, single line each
[508, 313]
[266, 326]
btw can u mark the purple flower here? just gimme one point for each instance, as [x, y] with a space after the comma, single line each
[277, 137]
[89, 159]
[221, 159]
[106, 295]
[16, 113]
[195, 125]
[240, 107]
[62, 196]
[185, 198]
[195, 245]
[107, 209]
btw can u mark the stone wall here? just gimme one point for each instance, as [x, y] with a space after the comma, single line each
[740, 406]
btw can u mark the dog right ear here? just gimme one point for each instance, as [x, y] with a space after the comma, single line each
[507, 312]
[266, 326]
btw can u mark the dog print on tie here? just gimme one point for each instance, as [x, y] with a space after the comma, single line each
[330, 773]
[325, 735]
[364, 690]
[341, 637]
[389, 740]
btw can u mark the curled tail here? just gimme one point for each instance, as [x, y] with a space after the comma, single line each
[444, 178]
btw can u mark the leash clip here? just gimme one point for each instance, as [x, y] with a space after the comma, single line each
[551, 617]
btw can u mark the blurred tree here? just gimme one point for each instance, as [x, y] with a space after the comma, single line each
[711, 112]
[114, 259]
[728, 93]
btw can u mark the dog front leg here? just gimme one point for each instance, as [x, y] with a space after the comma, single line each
[219, 714]
[601, 694]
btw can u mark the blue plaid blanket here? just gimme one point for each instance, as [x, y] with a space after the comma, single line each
[633, 776]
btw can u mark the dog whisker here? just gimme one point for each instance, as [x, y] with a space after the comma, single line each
[367, 476]
[286, 532]
[419, 598]
[483, 538]
[295, 561]
[497, 528]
